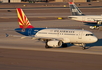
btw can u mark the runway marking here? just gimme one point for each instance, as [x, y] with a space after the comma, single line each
[54, 50]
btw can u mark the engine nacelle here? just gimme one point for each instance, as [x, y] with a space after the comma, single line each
[54, 43]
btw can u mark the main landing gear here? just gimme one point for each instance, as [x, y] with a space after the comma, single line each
[64, 45]
[46, 46]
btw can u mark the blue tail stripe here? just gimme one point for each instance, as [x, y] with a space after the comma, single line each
[28, 31]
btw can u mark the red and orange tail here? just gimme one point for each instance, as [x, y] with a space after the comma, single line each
[23, 20]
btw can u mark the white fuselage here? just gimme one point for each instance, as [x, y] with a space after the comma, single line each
[67, 35]
[87, 18]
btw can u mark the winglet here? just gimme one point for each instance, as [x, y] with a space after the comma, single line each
[23, 20]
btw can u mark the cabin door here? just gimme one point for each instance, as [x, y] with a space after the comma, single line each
[80, 35]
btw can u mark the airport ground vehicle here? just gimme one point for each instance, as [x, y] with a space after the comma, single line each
[94, 27]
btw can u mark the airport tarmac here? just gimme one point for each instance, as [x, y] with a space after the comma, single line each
[29, 54]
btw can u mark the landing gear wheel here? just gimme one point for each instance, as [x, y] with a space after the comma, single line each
[64, 45]
[83, 48]
[46, 46]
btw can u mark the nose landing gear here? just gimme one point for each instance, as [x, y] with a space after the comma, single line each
[84, 47]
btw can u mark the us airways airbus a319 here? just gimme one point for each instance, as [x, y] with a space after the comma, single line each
[53, 37]
[79, 16]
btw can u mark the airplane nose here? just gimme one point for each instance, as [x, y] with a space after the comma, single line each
[94, 39]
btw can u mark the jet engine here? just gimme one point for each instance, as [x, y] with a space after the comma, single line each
[54, 43]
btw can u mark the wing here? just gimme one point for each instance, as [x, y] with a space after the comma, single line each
[34, 37]
[20, 36]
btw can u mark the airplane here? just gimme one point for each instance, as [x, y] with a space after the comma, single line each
[53, 37]
[77, 15]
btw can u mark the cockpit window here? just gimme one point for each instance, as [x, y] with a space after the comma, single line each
[89, 35]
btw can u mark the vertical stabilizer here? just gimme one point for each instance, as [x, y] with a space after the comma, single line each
[74, 9]
[23, 20]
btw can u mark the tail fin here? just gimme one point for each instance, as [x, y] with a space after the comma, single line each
[23, 20]
[74, 9]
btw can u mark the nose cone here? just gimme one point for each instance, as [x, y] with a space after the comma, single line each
[94, 39]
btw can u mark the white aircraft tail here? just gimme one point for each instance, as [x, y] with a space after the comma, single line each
[74, 9]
